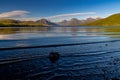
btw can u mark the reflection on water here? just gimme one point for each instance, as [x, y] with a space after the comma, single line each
[87, 61]
[23, 36]
[37, 32]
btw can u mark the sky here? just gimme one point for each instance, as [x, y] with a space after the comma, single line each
[57, 10]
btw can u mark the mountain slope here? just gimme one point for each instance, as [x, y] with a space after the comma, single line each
[113, 20]
[46, 22]
[17, 23]
[76, 22]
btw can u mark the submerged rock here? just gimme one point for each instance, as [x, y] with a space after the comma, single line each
[54, 56]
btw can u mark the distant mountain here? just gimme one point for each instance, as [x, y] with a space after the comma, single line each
[72, 22]
[46, 22]
[17, 23]
[113, 20]
[76, 22]
[92, 19]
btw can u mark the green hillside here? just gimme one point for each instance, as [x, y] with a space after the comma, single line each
[17, 23]
[113, 20]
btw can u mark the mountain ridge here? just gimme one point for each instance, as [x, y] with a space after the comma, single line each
[18, 23]
[46, 22]
[113, 20]
[77, 22]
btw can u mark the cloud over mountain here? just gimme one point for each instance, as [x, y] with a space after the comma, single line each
[14, 14]
[69, 15]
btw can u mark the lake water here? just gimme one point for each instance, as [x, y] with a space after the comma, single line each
[54, 35]
[86, 53]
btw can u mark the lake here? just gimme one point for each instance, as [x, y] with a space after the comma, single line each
[86, 53]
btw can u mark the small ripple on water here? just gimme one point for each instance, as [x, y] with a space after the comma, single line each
[80, 64]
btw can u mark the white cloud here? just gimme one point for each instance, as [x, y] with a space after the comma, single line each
[69, 15]
[14, 14]
[20, 15]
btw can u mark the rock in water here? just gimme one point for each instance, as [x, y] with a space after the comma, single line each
[54, 56]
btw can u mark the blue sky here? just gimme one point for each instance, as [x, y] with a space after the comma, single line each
[57, 10]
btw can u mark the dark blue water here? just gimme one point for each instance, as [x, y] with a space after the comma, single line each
[86, 53]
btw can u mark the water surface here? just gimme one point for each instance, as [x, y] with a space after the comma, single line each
[32, 36]
[85, 53]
